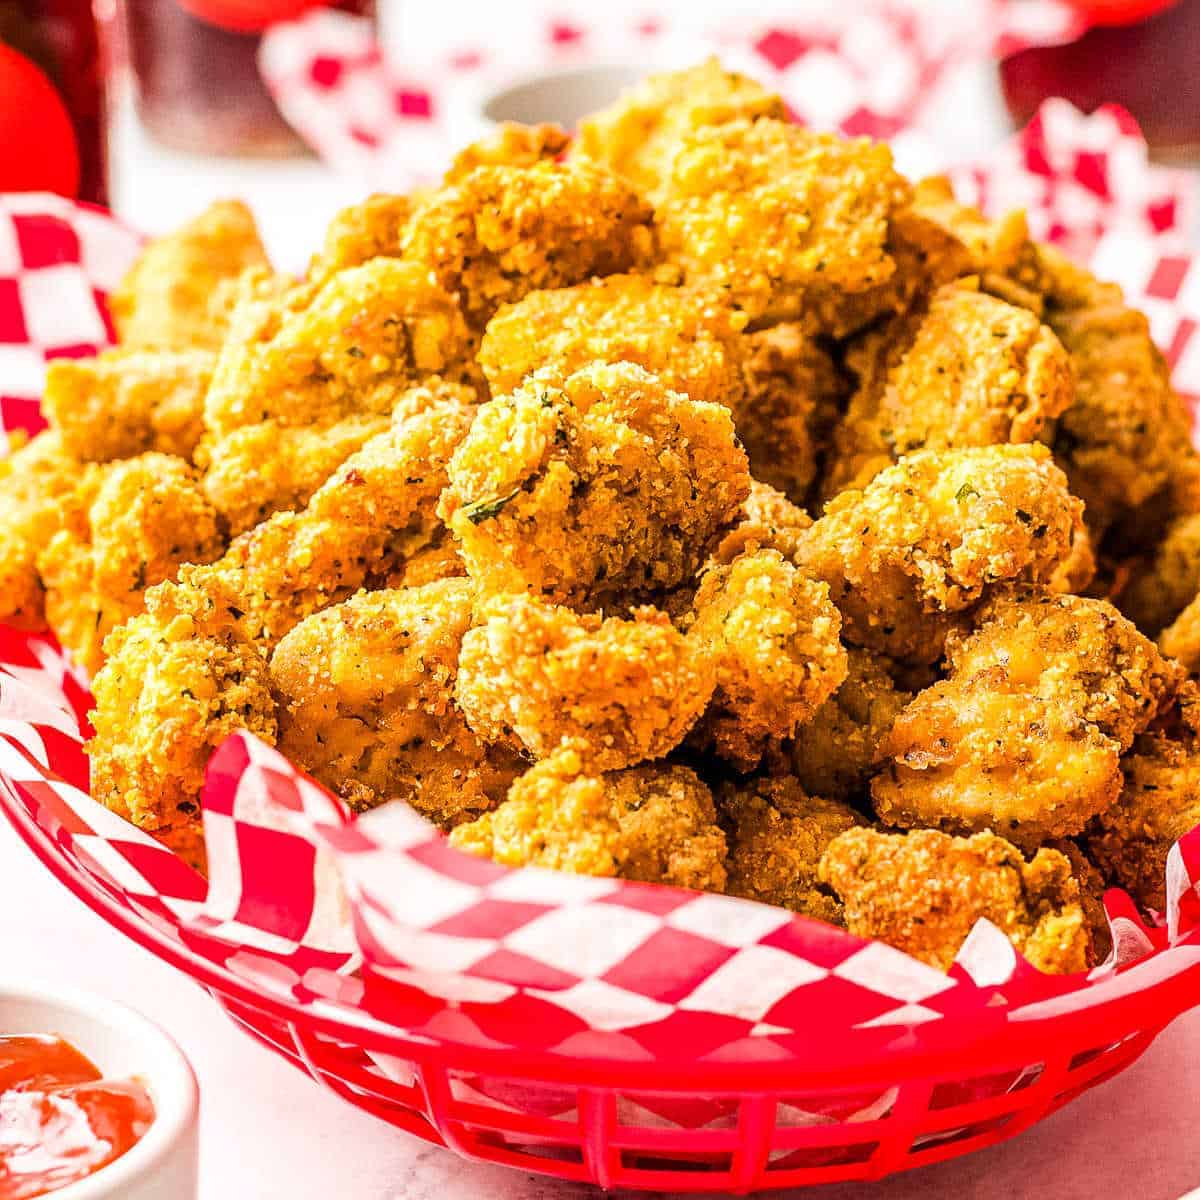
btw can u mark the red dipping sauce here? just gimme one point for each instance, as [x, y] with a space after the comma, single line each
[60, 1121]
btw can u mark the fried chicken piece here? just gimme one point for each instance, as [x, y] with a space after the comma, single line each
[373, 513]
[1170, 581]
[922, 892]
[127, 527]
[793, 223]
[940, 239]
[270, 467]
[779, 835]
[970, 754]
[768, 521]
[124, 403]
[926, 538]
[1079, 652]
[367, 336]
[170, 300]
[967, 370]
[1091, 896]
[654, 823]
[793, 397]
[1025, 734]
[833, 754]
[372, 229]
[1158, 804]
[621, 691]
[176, 683]
[366, 691]
[34, 481]
[1127, 434]
[604, 484]
[1181, 639]
[688, 337]
[639, 134]
[774, 636]
[502, 232]
[511, 144]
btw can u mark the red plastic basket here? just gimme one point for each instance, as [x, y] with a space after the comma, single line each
[792, 1119]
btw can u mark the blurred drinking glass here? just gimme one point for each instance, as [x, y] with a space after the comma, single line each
[197, 84]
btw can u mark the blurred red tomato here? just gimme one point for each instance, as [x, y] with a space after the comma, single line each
[247, 16]
[1120, 12]
[38, 151]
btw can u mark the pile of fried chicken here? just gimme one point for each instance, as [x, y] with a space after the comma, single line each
[695, 501]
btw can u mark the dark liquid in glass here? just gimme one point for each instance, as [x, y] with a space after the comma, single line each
[61, 37]
[198, 86]
[1151, 68]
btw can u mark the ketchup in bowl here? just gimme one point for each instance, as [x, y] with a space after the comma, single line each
[60, 1121]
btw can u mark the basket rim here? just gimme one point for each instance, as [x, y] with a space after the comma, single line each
[1100, 1024]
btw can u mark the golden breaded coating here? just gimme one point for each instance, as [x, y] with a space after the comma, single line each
[1170, 581]
[1181, 639]
[128, 526]
[372, 229]
[952, 239]
[1077, 651]
[1128, 431]
[1077, 573]
[793, 395]
[833, 754]
[511, 144]
[928, 536]
[922, 892]
[790, 222]
[366, 692]
[124, 403]
[654, 824]
[639, 134]
[606, 483]
[688, 337]
[967, 370]
[173, 688]
[1026, 733]
[621, 691]
[367, 336]
[971, 754]
[774, 636]
[270, 467]
[372, 514]
[768, 521]
[1091, 895]
[1158, 804]
[34, 483]
[502, 232]
[779, 834]
[170, 300]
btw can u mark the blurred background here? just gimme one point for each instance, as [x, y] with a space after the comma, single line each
[156, 107]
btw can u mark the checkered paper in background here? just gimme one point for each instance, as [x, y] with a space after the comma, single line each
[57, 261]
[380, 924]
[871, 68]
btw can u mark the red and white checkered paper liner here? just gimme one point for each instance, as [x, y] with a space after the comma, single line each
[865, 68]
[379, 920]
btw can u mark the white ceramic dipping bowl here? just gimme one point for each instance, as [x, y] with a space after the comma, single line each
[123, 1045]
